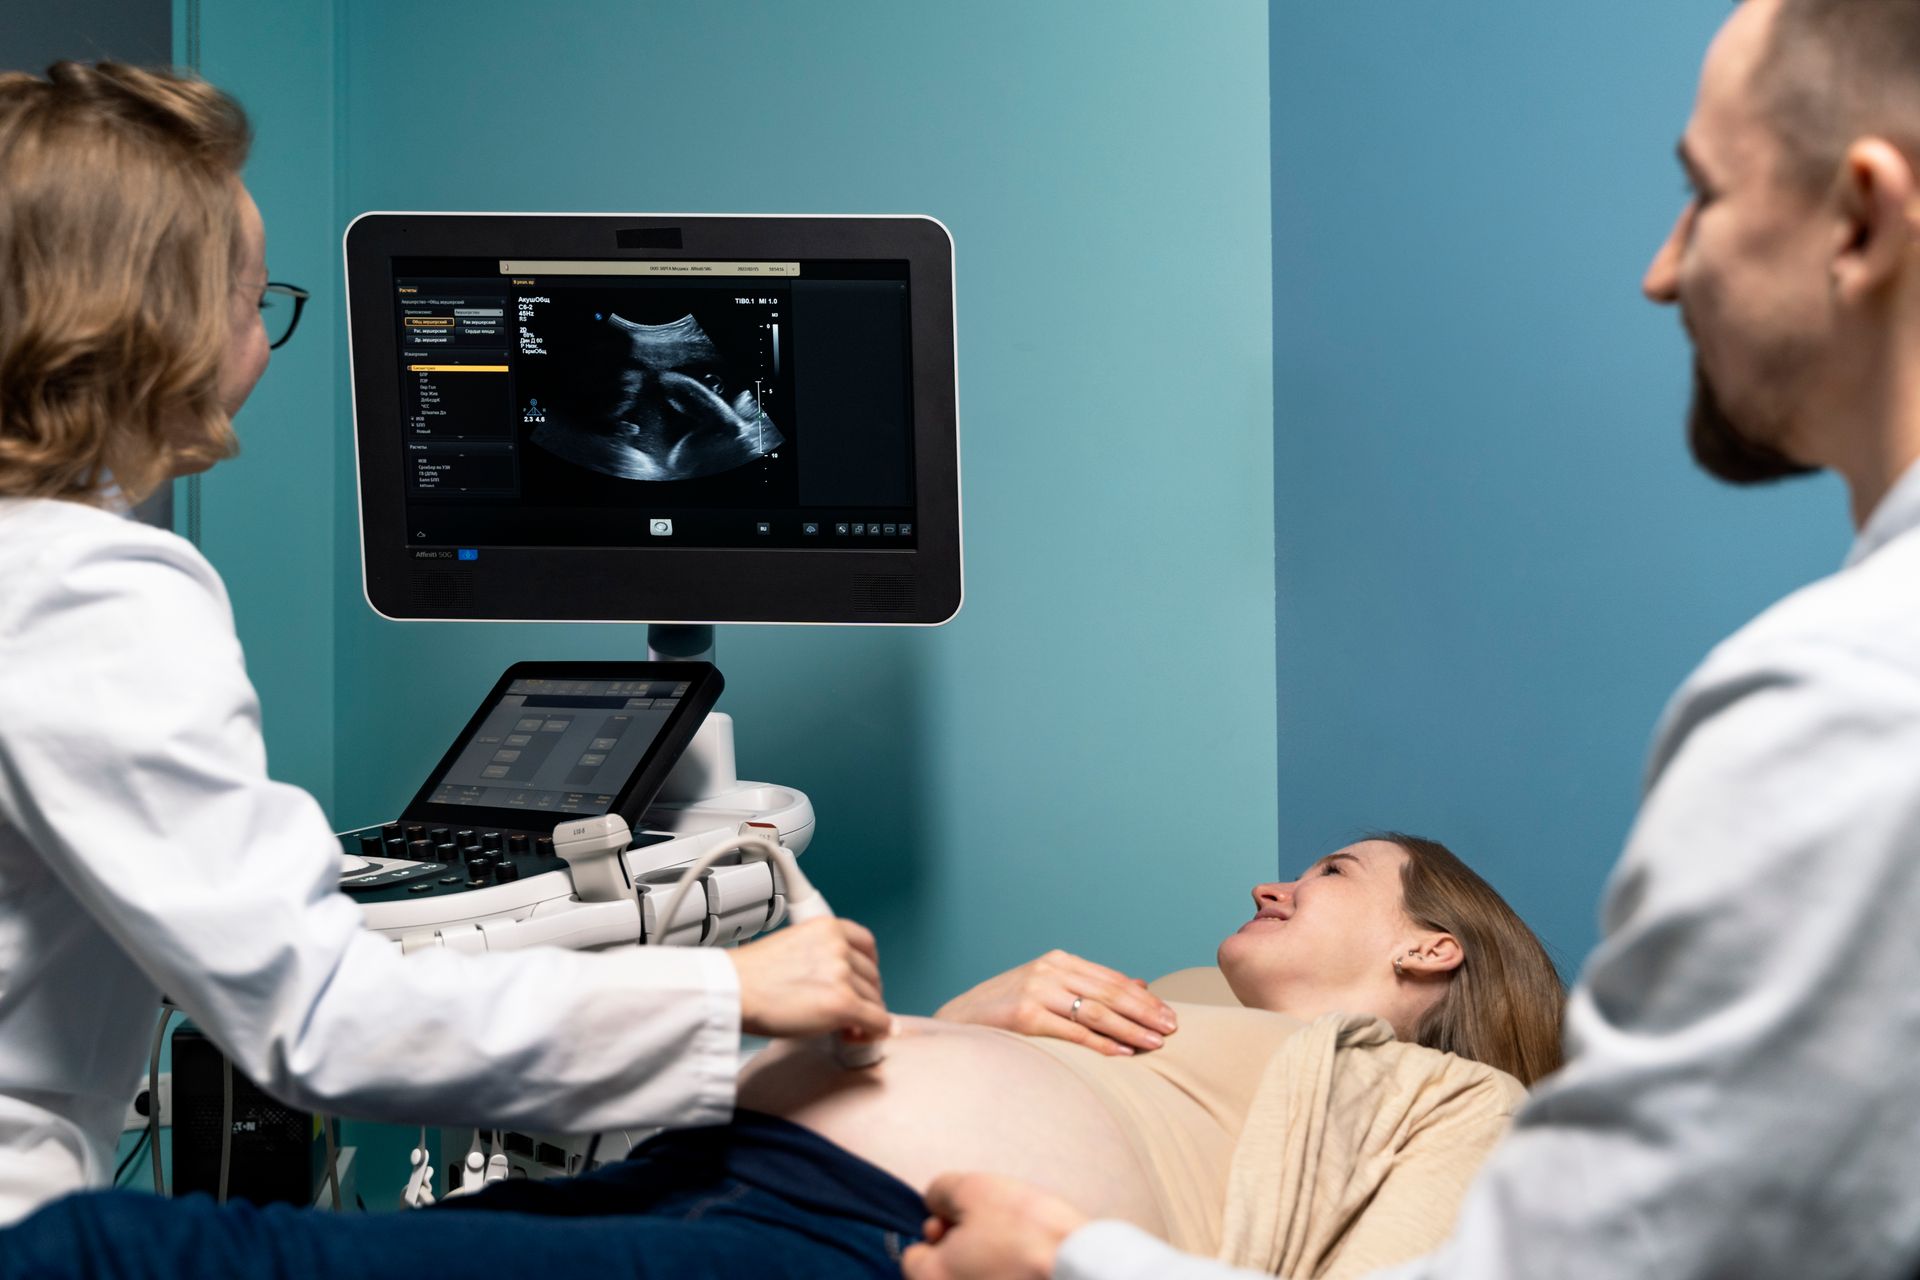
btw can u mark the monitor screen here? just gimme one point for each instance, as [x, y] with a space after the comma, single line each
[757, 425]
[628, 404]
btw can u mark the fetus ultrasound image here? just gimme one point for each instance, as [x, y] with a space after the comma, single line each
[658, 386]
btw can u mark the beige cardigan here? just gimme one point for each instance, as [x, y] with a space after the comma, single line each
[1376, 1141]
[1358, 1148]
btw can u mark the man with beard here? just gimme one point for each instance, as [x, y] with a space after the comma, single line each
[1738, 1096]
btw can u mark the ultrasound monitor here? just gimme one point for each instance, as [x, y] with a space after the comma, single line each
[687, 419]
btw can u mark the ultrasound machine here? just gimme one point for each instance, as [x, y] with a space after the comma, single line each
[678, 420]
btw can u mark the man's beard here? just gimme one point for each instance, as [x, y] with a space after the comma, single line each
[1723, 450]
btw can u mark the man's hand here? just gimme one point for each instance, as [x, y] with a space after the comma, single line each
[1118, 1015]
[990, 1228]
[809, 979]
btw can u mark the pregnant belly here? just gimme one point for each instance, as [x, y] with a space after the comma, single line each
[954, 1098]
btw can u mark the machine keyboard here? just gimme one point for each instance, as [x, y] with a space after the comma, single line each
[417, 859]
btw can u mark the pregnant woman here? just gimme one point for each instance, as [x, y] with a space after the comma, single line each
[1362, 1042]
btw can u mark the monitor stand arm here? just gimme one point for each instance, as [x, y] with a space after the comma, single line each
[680, 642]
[706, 768]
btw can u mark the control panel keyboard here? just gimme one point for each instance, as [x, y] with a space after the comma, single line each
[412, 859]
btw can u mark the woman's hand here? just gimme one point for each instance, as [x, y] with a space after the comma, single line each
[1117, 1014]
[811, 978]
[990, 1228]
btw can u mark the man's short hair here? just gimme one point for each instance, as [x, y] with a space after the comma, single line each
[1835, 71]
[120, 242]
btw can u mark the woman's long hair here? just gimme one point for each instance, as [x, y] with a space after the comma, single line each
[120, 237]
[1503, 1005]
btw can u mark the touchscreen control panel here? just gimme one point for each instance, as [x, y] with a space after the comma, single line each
[562, 746]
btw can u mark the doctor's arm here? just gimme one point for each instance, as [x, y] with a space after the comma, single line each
[143, 784]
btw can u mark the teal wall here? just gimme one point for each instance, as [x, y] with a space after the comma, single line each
[268, 517]
[1101, 712]
[1495, 559]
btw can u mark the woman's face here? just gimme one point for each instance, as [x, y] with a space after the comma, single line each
[1336, 929]
[246, 356]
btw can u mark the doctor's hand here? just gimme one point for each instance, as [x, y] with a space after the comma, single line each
[990, 1228]
[1117, 1014]
[810, 979]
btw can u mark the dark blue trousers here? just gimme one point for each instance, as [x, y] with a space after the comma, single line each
[758, 1197]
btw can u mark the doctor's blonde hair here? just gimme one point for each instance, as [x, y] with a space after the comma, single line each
[120, 243]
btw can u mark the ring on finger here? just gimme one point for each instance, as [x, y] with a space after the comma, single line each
[1073, 1011]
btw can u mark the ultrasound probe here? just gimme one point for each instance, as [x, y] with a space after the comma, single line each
[804, 903]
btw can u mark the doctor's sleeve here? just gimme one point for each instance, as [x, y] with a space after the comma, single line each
[1737, 1099]
[1109, 1250]
[138, 772]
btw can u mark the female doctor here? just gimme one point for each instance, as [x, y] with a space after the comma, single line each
[143, 846]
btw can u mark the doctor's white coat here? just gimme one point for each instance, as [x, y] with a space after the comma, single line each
[144, 849]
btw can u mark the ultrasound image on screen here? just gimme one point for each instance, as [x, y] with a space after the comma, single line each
[654, 401]
[655, 409]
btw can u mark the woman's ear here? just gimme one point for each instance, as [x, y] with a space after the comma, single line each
[1432, 955]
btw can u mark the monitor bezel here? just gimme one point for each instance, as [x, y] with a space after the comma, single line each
[922, 586]
[705, 684]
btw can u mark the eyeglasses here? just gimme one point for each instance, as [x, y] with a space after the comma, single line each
[280, 308]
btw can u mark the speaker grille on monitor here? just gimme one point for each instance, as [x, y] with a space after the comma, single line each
[443, 588]
[884, 595]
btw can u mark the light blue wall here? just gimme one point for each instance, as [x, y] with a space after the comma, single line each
[1494, 557]
[1085, 757]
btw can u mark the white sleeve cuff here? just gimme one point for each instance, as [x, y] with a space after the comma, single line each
[722, 1033]
[709, 1062]
[1120, 1251]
